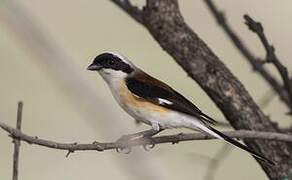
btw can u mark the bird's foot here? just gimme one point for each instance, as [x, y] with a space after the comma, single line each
[144, 136]
[123, 144]
[150, 144]
[124, 149]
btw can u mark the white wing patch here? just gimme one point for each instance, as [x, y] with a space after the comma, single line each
[164, 101]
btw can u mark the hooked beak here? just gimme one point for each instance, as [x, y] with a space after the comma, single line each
[94, 67]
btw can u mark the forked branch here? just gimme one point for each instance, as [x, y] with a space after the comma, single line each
[256, 63]
[271, 56]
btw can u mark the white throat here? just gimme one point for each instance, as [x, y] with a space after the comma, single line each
[111, 76]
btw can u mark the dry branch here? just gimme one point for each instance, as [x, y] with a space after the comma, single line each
[98, 146]
[271, 56]
[255, 62]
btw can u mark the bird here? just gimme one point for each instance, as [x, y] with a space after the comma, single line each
[153, 102]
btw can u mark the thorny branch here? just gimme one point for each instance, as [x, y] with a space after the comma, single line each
[255, 62]
[98, 146]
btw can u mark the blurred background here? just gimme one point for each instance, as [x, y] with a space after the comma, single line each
[45, 47]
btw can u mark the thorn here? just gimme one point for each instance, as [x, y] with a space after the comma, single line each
[69, 152]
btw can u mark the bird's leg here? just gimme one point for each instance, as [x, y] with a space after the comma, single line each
[143, 135]
[147, 133]
[155, 126]
[125, 138]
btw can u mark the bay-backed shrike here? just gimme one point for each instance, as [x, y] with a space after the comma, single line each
[153, 102]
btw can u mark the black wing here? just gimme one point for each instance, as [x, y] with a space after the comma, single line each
[163, 95]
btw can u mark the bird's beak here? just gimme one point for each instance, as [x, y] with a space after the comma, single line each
[94, 67]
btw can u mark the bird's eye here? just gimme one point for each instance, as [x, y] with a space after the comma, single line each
[112, 62]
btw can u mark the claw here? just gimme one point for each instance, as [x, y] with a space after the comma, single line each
[124, 150]
[149, 144]
[128, 150]
[148, 147]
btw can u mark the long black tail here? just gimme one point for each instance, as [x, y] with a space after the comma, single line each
[238, 144]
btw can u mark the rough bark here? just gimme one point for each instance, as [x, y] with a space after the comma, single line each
[165, 22]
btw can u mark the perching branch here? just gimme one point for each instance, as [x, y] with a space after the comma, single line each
[254, 61]
[16, 142]
[98, 146]
[271, 57]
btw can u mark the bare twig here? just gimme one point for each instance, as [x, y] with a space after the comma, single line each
[128, 7]
[271, 57]
[16, 142]
[255, 62]
[98, 146]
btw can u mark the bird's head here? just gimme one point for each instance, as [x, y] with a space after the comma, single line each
[112, 66]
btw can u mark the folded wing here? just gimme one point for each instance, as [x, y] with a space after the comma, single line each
[159, 93]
